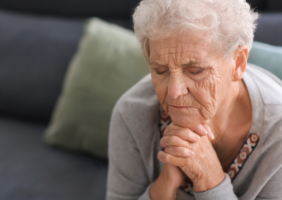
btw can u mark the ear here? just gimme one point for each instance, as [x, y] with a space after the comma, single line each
[146, 49]
[240, 57]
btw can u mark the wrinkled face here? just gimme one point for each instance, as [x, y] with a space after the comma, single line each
[190, 79]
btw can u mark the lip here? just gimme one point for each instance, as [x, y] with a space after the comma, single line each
[181, 107]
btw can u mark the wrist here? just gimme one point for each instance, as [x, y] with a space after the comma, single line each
[162, 189]
[208, 183]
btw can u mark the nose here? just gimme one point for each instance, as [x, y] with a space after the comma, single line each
[176, 87]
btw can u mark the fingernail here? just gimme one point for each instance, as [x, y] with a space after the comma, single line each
[204, 130]
[191, 153]
[212, 136]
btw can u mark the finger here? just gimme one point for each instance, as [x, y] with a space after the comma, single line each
[210, 133]
[169, 159]
[174, 141]
[185, 134]
[200, 130]
[179, 151]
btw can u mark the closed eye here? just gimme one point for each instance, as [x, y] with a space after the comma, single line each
[195, 70]
[161, 70]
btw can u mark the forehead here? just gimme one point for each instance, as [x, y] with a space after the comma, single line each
[180, 47]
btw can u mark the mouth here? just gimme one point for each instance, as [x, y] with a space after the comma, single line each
[181, 107]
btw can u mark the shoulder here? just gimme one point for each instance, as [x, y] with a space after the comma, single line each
[139, 93]
[141, 98]
[269, 86]
[139, 106]
[265, 90]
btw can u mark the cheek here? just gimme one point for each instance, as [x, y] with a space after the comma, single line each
[161, 89]
[208, 93]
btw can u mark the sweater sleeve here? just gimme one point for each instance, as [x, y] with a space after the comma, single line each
[127, 178]
[221, 192]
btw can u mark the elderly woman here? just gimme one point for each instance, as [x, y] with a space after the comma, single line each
[204, 124]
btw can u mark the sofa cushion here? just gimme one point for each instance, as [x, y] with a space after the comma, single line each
[108, 62]
[269, 29]
[31, 171]
[267, 56]
[34, 55]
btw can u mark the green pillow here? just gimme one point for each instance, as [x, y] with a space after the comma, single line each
[268, 57]
[108, 62]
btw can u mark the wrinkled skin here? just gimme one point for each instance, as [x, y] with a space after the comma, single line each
[185, 73]
[202, 167]
[197, 86]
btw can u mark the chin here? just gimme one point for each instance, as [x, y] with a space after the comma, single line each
[185, 120]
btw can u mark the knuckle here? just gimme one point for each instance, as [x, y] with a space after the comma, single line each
[188, 153]
[189, 136]
[164, 140]
[161, 156]
[170, 132]
[185, 152]
[168, 158]
[187, 145]
[165, 157]
[195, 137]
[173, 140]
[166, 131]
[169, 149]
[197, 176]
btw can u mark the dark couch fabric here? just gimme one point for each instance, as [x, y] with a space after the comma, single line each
[274, 5]
[34, 55]
[269, 29]
[266, 5]
[121, 9]
[31, 171]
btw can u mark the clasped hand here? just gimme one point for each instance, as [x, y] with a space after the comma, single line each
[190, 153]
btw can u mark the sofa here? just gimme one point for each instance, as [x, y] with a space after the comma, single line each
[37, 42]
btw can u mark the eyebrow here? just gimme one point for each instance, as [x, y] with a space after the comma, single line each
[190, 64]
[194, 64]
[156, 63]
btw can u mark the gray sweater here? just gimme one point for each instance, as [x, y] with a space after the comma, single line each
[135, 135]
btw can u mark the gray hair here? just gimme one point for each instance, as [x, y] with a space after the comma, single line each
[228, 24]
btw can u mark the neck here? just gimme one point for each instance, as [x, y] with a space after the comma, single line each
[233, 120]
